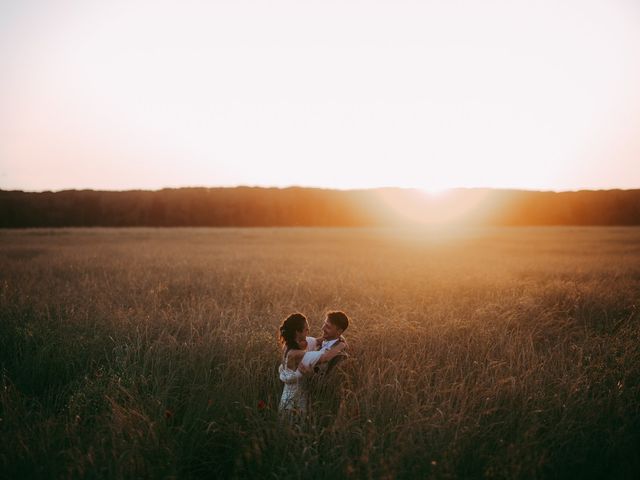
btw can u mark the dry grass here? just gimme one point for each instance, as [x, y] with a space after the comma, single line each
[497, 353]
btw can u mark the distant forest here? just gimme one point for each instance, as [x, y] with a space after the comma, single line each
[249, 206]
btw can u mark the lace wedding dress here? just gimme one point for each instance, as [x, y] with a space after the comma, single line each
[294, 403]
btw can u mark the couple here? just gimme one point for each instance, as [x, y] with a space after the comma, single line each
[304, 358]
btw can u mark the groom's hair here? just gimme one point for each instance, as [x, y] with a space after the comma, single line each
[339, 319]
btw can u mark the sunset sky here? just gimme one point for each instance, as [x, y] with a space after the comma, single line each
[342, 94]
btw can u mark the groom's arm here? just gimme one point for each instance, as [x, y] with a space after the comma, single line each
[337, 349]
[312, 344]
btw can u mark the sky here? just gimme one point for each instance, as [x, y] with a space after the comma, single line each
[148, 94]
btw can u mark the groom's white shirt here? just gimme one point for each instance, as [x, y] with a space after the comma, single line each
[313, 353]
[312, 345]
[312, 356]
[327, 344]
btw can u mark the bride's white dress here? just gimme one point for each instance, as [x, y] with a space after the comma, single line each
[295, 394]
[294, 400]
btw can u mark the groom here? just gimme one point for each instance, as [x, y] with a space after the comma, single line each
[325, 387]
[334, 326]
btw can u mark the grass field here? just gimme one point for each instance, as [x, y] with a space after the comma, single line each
[496, 353]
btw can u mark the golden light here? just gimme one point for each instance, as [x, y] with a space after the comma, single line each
[444, 207]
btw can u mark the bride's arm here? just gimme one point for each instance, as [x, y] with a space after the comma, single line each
[334, 352]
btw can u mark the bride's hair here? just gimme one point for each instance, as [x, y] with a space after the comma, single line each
[292, 324]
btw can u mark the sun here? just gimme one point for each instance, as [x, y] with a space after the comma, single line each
[436, 206]
[435, 191]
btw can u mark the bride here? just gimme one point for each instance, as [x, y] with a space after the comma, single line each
[299, 353]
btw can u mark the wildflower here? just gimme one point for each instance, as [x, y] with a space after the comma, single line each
[209, 403]
[168, 414]
[262, 405]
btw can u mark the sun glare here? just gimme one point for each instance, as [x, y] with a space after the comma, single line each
[432, 192]
[438, 207]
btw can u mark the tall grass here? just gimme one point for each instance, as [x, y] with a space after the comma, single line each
[495, 353]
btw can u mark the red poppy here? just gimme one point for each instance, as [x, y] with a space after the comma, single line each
[262, 405]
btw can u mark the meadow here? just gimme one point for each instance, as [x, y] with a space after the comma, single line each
[475, 353]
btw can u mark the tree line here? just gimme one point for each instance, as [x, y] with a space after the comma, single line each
[296, 206]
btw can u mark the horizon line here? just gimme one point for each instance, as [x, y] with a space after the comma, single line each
[315, 187]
